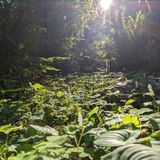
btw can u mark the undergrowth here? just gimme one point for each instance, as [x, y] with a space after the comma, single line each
[82, 117]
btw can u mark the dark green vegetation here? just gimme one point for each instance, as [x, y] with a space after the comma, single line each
[59, 99]
[80, 31]
[89, 116]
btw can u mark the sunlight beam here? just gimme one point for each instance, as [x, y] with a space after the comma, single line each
[105, 4]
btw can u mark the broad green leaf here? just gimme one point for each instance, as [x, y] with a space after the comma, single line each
[145, 110]
[133, 152]
[45, 129]
[147, 104]
[57, 139]
[43, 146]
[129, 119]
[117, 138]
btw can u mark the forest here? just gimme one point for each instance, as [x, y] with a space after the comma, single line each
[79, 79]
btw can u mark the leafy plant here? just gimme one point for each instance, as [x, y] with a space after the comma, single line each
[133, 151]
[86, 116]
[117, 138]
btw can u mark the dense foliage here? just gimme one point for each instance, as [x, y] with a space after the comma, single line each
[93, 116]
[79, 30]
[35, 28]
[51, 109]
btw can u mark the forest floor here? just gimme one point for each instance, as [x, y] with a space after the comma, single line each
[82, 117]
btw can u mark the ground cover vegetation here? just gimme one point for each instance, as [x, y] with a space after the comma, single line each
[90, 116]
[78, 82]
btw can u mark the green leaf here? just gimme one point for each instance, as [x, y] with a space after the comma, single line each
[7, 129]
[93, 111]
[45, 129]
[155, 123]
[72, 129]
[145, 110]
[48, 68]
[130, 101]
[37, 86]
[117, 138]
[60, 94]
[133, 152]
[12, 148]
[2, 128]
[57, 139]
[129, 119]
[80, 150]
[156, 135]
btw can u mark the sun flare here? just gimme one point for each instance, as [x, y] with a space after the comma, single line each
[105, 4]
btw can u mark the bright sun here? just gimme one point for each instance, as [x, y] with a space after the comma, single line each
[105, 4]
